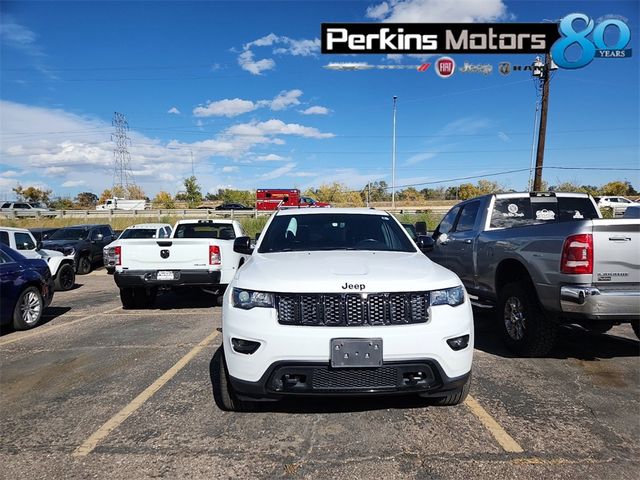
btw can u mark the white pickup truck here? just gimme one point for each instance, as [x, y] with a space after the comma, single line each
[198, 253]
[61, 266]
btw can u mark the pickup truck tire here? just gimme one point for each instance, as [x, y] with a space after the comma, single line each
[455, 398]
[599, 327]
[28, 310]
[84, 265]
[66, 278]
[223, 393]
[526, 329]
[137, 297]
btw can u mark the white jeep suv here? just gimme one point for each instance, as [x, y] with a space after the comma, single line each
[341, 302]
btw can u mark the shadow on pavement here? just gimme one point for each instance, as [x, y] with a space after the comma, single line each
[50, 313]
[187, 298]
[573, 342]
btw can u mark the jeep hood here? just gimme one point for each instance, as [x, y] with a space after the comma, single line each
[343, 272]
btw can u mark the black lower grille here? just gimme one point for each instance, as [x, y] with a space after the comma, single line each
[354, 379]
[352, 309]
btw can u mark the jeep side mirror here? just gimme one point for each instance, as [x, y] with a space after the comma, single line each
[425, 244]
[242, 245]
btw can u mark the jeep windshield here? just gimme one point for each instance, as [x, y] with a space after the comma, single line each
[70, 234]
[335, 231]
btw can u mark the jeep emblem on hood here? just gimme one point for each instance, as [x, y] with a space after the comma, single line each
[353, 286]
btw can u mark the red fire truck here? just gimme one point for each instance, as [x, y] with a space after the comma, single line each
[274, 198]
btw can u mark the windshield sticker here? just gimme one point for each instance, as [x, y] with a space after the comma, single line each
[578, 215]
[513, 211]
[545, 214]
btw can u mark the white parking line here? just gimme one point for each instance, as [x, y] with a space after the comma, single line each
[505, 440]
[44, 329]
[99, 435]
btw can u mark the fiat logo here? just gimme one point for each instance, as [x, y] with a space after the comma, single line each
[445, 66]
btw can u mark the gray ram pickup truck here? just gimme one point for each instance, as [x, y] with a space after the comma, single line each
[542, 259]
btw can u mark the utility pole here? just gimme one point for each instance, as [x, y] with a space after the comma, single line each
[543, 73]
[122, 174]
[393, 157]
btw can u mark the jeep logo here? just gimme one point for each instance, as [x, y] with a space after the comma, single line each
[164, 253]
[353, 286]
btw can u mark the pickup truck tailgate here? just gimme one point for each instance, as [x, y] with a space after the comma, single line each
[166, 254]
[616, 245]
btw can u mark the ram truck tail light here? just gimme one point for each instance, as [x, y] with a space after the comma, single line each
[117, 255]
[214, 255]
[577, 254]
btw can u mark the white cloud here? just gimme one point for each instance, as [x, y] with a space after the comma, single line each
[237, 106]
[227, 108]
[174, 110]
[315, 110]
[57, 147]
[504, 137]
[278, 172]
[55, 170]
[427, 11]
[229, 169]
[272, 157]
[247, 62]
[285, 99]
[276, 127]
[73, 183]
[18, 36]
[286, 46]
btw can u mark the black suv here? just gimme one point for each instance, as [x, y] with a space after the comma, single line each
[84, 242]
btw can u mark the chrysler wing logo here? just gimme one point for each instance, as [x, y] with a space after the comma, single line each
[164, 253]
[504, 68]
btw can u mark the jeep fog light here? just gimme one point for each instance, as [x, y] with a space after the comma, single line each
[449, 296]
[248, 299]
[458, 343]
[244, 346]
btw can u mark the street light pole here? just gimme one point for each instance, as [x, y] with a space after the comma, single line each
[393, 157]
[543, 73]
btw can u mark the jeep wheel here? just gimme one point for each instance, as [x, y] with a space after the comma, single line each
[223, 393]
[84, 265]
[455, 398]
[525, 327]
[28, 310]
[66, 278]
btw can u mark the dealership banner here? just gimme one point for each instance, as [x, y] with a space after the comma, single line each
[425, 38]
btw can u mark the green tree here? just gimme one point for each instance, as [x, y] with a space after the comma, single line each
[336, 193]
[485, 187]
[410, 194]
[86, 200]
[617, 187]
[380, 192]
[245, 197]
[467, 190]
[32, 194]
[62, 203]
[193, 194]
[567, 187]
[164, 200]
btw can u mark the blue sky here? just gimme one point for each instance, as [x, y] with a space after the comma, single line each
[240, 88]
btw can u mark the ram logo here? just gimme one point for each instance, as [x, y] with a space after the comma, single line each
[165, 253]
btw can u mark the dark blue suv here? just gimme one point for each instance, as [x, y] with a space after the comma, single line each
[26, 286]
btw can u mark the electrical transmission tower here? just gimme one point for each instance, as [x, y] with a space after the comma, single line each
[122, 174]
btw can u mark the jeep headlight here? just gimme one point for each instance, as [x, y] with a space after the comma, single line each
[248, 299]
[449, 296]
[68, 251]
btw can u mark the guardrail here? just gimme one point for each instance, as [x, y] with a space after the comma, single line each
[185, 213]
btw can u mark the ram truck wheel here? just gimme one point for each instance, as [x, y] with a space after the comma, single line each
[526, 329]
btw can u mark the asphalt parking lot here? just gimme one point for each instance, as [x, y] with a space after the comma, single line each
[100, 392]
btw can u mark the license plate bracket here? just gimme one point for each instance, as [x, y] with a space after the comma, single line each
[356, 352]
[165, 275]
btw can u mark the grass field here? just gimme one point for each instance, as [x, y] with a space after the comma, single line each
[250, 225]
